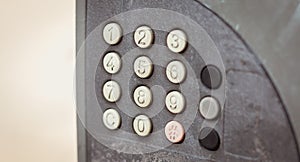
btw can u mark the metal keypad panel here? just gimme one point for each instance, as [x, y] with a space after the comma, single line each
[231, 112]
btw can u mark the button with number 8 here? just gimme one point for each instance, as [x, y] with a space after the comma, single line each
[111, 91]
[143, 36]
[112, 33]
[142, 96]
[176, 72]
[143, 67]
[175, 102]
[112, 62]
[176, 41]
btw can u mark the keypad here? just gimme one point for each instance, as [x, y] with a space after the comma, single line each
[176, 73]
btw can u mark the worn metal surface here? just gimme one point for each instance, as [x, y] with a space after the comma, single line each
[272, 29]
[253, 126]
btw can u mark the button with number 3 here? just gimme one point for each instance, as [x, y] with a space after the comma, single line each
[112, 33]
[143, 36]
[111, 91]
[143, 67]
[175, 102]
[176, 72]
[112, 62]
[142, 96]
[176, 41]
[142, 125]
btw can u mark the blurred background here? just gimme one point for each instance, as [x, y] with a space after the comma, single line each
[37, 48]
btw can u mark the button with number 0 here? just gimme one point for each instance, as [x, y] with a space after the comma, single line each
[143, 36]
[174, 132]
[175, 102]
[112, 62]
[111, 119]
[176, 72]
[111, 91]
[143, 67]
[176, 41]
[142, 96]
[112, 33]
[142, 125]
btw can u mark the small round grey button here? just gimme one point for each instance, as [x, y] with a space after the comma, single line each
[211, 77]
[176, 72]
[143, 67]
[111, 91]
[112, 33]
[209, 108]
[175, 102]
[111, 119]
[142, 125]
[112, 62]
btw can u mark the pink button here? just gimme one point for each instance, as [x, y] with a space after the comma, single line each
[174, 132]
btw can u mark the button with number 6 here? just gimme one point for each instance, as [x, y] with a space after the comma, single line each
[142, 96]
[176, 41]
[143, 36]
[176, 72]
[112, 62]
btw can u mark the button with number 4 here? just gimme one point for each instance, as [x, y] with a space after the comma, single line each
[143, 36]
[142, 96]
[143, 67]
[175, 102]
[142, 125]
[176, 41]
[111, 91]
[112, 33]
[176, 72]
[112, 62]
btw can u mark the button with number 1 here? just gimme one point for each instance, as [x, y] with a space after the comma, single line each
[112, 33]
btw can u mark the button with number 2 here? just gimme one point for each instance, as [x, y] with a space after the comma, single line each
[176, 41]
[143, 36]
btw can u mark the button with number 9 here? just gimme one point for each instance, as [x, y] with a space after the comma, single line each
[142, 96]
[175, 102]
[176, 41]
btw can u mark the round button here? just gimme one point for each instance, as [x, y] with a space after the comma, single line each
[112, 62]
[176, 72]
[142, 125]
[209, 139]
[211, 77]
[111, 91]
[112, 33]
[143, 37]
[142, 96]
[111, 119]
[143, 67]
[209, 108]
[174, 132]
[175, 102]
[176, 41]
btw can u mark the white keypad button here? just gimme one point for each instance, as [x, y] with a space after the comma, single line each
[143, 67]
[112, 62]
[142, 125]
[142, 96]
[112, 33]
[174, 132]
[143, 37]
[111, 91]
[111, 119]
[175, 102]
[176, 41]
[209, 108]
[176, 72]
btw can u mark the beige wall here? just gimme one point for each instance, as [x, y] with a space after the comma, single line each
[37, 112]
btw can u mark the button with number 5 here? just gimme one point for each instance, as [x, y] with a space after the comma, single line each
[143, 36]
[143, 67]
[176, 41]
[111, 91]
[112, 33]
[176, 72]
[142, 96]
[112, 62]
